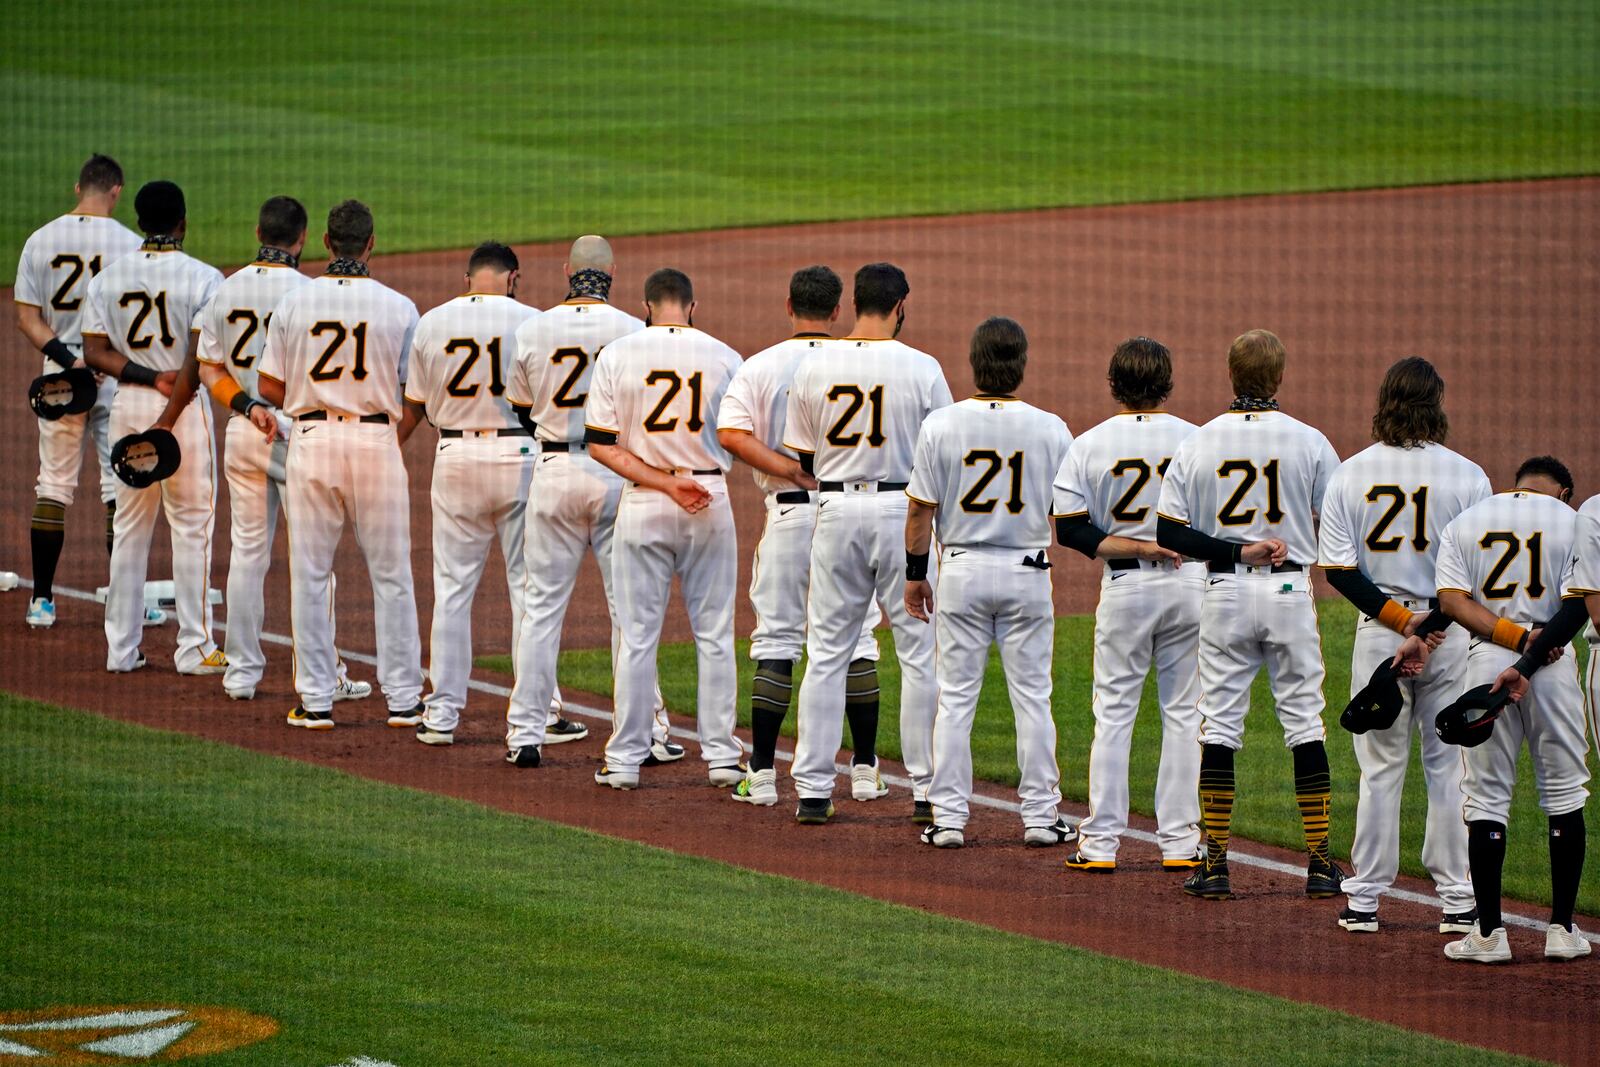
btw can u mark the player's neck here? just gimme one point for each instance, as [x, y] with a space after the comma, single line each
[810, 328]
[875, 328]
[99, 206]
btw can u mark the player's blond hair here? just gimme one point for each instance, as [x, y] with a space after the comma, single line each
[1255, 364]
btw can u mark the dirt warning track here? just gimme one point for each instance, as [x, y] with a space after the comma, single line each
[1494, 283]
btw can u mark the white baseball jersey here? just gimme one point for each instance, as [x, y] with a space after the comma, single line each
[235, 324]
[659, 390]
[856, 405]
[987, 464]
[1582, 575]
[1113, 473]
[462, 354]
[555, 362]
[758, 399]
[1508, 553]
[341, 344]
[148, 302]
[1250, 476]
[58, 262]
[1386, 509]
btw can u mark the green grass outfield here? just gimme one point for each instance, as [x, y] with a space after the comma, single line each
[149, 867]
[1265, 810]
[525, 121]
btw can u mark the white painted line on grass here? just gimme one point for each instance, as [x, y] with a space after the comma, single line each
[1243, 858]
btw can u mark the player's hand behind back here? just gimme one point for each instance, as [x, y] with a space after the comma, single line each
[689, 494]
[1264, 553]
[264, 420]
[1150, 551]
[166, 381]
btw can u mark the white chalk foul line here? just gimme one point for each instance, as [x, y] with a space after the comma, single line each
[997, 803]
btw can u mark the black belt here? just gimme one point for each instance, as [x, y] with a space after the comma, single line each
[504, 431]
[562, 446]
[1277, 568]
[714, 471]
[882, 487]
[794, 496]
[1123, 564]
[322, 416]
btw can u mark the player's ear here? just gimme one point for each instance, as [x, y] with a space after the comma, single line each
[788, 307]
[835, 316]
[372, 239]
[259, 239]
[566, 270]
[77, 190]
[327, 243]
[183, 228]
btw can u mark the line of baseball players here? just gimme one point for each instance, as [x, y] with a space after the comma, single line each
[583, 428]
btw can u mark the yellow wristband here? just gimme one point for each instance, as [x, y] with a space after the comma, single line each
[1395, 616]
[224, 389]
[1508, 634]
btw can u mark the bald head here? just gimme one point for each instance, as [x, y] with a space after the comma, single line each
[591, 252]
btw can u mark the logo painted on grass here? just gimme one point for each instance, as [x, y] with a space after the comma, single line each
[84, 1037]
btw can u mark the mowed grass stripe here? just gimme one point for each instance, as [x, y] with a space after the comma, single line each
[644, 118]
[1265, 810]
[369, 919]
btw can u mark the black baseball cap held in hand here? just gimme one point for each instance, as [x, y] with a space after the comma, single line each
[68, 392]
[143, 459]
[1378, 704]
[1470, 720]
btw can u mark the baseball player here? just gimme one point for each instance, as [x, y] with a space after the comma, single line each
[1149, 612]
[1242, 494]
[572, 506]
[750, 426]
[652, 418]
[335, 361]
[854, 411]
[141, 321]
[461, 357]
[1502, 567]
[983, 468]
[1382, 519]
[58, 261]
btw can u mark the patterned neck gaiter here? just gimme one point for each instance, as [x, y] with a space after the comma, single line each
[268, 254]
[162, 242]
[589, 282]
[1252, 403]
[340, 267]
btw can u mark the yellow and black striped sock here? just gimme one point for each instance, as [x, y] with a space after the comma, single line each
[46, 536]
[1216, 800]
[769, 703]
[861, 708]
[1313, 792]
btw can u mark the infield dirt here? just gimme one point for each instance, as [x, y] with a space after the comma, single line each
[1494, 283]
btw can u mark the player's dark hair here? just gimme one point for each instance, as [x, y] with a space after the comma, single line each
[1255, 364]
[99, 174]
[349, 228]
[492, 254]
[668, 285]
[1411, 406]
[1551, 468]
[1140, 374]
[282, 221]
[814, 292]
[160, 207]
[999, 355]
[879, 287]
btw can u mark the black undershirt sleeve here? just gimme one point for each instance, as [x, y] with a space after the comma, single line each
[599, 437]
[1557, 633]
[1079, 534]
[525, 417]
[807, 459]
[1187, 541]
[1358, 589]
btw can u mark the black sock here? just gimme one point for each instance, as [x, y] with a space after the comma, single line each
[1313, 791]
[111, 524]
[1486, 855]
[1567, 839]
[861, 708]
[1216, 800]
[769, 703]
[46, 535]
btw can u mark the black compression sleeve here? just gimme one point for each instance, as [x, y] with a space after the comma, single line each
[242, 402]
[138, 374]
[1078, 533]
[1557, 633]
[1436, 622]
[57, 352]
[1187, 541]
[1359, 590]
[599, 437]
[807, 459]
[525, 417]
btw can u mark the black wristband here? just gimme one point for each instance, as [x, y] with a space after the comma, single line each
[137, 374]
[916, 566]
[56, 351]
[242, 402]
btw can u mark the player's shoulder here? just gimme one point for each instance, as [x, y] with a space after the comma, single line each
[1590, 509]
[199, 270]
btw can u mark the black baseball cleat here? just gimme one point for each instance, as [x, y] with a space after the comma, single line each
[922, 812]
[1323, 879]
[526, 756]
[1209, 881]
[402, 719]
[663, 752]
[813, 811]
[1459, 922]
[1358, 922]
[563, 730]
[1079, 862]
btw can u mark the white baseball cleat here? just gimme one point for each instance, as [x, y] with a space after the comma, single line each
[350, 689]
[244, 692]
[726, 777]
[616, 779]
[1563, 944]
[1046, 836]
[214, 663]
[1475, 948]
[866, 783]
[41, 613]
[758, 787]
[943, 837]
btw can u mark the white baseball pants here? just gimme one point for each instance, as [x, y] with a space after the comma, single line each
[344, 471]
[1146, 616]
[189, 501]
[1550, 718]
[779, 577]
[1383, 756]
[1248, 619]
[986, 596]
[572, 509]
[61, 443]
[858, 553]
[250, 462]
[480, 490]
[654, 541]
